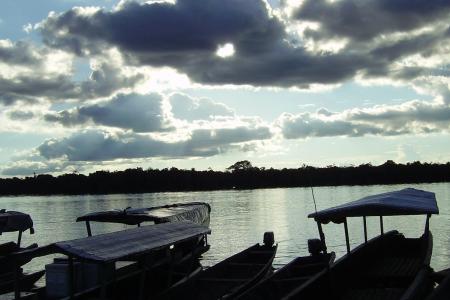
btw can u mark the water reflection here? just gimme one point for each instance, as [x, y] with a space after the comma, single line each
[239, 218]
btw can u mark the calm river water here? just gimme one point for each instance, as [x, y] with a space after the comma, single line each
[239, 218]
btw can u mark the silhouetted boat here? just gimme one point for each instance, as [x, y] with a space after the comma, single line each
[13, 221]
[442, 290]
[228, 278]
[289, 277]
[90, 272]
[389, 266]
[197, 212]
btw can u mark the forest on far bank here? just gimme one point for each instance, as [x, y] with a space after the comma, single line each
[241, 175]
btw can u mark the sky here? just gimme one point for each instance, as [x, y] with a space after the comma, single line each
[90, 85]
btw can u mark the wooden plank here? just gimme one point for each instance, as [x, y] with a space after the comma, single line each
[136, 241]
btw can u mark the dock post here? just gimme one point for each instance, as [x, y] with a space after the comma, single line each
[381, 225]
[365, 229]
[347, 241]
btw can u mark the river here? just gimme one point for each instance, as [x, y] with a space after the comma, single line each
[239, 218]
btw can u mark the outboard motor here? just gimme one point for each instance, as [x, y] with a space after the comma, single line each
[269, 239]
[315, 246]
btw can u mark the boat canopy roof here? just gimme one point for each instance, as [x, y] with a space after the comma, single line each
[403, 202]
[11, 221]
[128, 243]
[197, 212]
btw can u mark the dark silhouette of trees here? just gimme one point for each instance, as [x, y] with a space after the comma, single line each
[241, 175]
[243, 165]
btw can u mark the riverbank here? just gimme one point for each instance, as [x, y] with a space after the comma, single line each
[239, 176]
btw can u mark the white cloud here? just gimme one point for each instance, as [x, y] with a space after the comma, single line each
[413, 117]
[190, 109]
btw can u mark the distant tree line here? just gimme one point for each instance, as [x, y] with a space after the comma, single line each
[241, 175]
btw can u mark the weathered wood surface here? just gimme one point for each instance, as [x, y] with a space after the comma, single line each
[114, 246]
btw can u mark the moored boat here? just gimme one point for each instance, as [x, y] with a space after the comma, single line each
[11, 274]
[297, 272]
[389, 266]
[442, 290]
[228, 278]
[90, 272]
[197, 212]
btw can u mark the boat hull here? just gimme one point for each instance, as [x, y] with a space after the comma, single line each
[389, 266]
[227, 279]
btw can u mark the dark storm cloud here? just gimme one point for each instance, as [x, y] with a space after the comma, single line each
[99, 145]
[188, 26]
[140, 113]
[186, 35]
[365, 20]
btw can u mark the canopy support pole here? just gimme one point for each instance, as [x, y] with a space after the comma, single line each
[347, 241]
[19, 239]
[427, 224]
[88, 228]
[322, 236]
[365, 229]
[381, 225]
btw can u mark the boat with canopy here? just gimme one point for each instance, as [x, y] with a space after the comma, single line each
[89, 271]
[389, 266]
[197, 212]
[14, 221]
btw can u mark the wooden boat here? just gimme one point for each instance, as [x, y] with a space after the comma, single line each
[197, 212]
[90, 272]
[442, 290]
[14, 221]
[294, 274]
[389, 266]
[228, 278]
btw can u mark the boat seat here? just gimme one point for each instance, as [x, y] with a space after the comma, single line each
[373, 294]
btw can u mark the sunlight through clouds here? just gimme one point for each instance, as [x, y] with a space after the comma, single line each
[115, 83]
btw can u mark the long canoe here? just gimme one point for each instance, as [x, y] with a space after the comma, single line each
[228, 278]
[292, 275]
